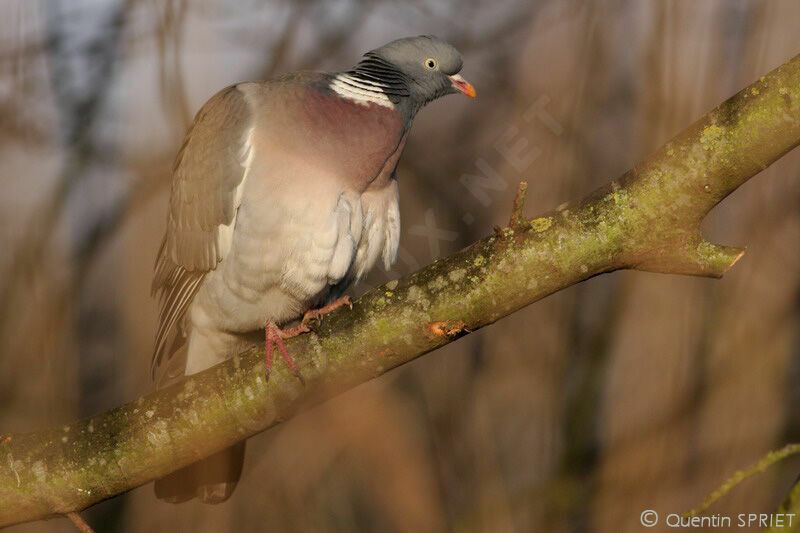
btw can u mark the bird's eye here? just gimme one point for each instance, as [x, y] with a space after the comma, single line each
[431, 64]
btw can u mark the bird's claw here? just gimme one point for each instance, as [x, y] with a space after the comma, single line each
[319, 314]
[273, 336]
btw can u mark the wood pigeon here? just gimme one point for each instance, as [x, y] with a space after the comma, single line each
[283, 194]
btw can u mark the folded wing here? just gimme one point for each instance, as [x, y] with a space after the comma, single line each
[208, 177]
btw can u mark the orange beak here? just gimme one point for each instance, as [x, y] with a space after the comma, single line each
[463, 86]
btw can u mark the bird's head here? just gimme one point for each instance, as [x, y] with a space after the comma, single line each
[419, 68]
[431, 64]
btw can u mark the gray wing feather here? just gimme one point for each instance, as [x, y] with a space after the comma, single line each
[207, 182]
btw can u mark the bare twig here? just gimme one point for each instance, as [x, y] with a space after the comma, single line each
[80, 523]
[759, 466]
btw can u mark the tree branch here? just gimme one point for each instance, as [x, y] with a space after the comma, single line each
[758, 467]
[648, 219]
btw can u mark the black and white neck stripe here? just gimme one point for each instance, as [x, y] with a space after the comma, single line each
[373, 80]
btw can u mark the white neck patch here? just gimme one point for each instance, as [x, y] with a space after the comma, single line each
[360, 91]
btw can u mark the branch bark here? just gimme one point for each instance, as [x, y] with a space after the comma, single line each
[648, 219]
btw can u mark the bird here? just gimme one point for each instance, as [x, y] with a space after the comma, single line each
[283, 194]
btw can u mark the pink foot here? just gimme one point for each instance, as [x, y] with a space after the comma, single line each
[318, 314]
[274, 336]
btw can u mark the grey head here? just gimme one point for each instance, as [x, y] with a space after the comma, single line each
[412, 71]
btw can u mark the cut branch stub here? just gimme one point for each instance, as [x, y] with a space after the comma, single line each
[519, 204]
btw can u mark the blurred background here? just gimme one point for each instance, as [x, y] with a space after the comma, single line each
[628, 392]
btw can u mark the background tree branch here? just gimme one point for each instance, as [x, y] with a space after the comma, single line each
[648, 219]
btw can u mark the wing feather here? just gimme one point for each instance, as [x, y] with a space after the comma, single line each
[208, 177]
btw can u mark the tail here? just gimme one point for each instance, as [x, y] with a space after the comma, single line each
[211, 480]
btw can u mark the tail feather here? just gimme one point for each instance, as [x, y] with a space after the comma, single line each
[211, 480]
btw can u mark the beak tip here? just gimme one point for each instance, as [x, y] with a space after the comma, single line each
[463, 86]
